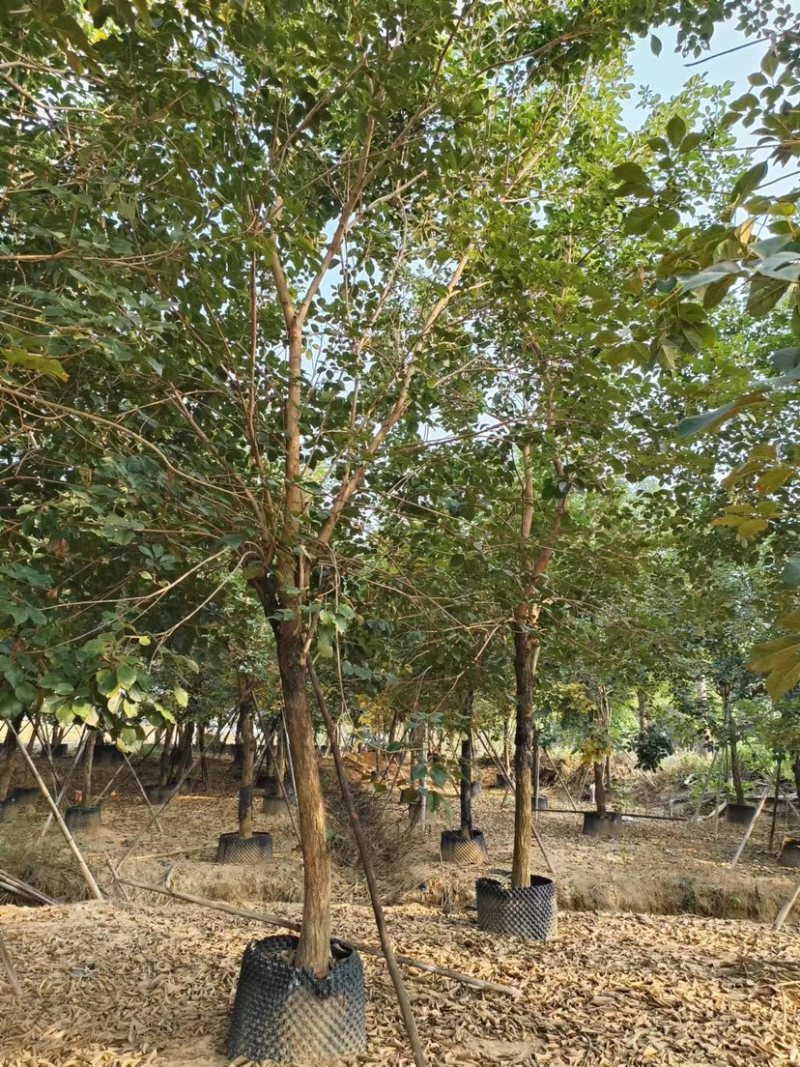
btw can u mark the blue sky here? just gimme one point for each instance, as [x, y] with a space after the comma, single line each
[667, 73]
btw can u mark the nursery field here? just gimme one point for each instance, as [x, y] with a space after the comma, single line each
[663, 954]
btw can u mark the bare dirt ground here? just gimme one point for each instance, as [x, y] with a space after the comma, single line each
[149, 980]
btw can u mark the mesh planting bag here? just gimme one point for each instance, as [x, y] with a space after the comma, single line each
[530, 912]
[250, 850]
[275, 805]
[741, 814]
[8, 809]
[540, 805]
[455, 849]
[284, 1013]
[26, 798]
[790, 854]
[602, 824]
[82, 819]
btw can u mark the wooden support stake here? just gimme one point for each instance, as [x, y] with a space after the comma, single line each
[774, 818]
[136, 778]
[93, 887]
[787, 907]
[538, 839]
[363, 849]
[360, 946]
[13, 981]
[65, 786]
[749, 829]
[561, 780]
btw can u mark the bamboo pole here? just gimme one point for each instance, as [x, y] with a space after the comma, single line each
[136, 778]
[787, 907]
[94, 889]
[169, 800]
[774, 818]
[13, 981]
[65, 786]
[535, 832]
[749, 829]
[560, 778]
[369, 872]
[359, 946]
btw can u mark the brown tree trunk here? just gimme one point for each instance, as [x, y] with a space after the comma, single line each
[88, 767]
[796, 774]
[599, 788]
[280, 756]
[525, 658]
[181, 755]
[736, 770]
[248, 760]
[535, 768]
[607, 765]
[313, 950]
[506, 749]
[166, 752]
[11, 756]
[201, 745]
[641, 697]
[466, 774]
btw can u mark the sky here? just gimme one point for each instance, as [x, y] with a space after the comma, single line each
[667, 73]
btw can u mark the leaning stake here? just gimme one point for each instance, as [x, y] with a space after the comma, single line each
[377, 907]
[87, 874]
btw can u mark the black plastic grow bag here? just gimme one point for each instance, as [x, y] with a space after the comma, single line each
[26, 797]
[284, 1013]
[251, 850]
[790, 854]
[741, 814]
[78, 818]
[530, 912]
[457, 849]
[602, 823]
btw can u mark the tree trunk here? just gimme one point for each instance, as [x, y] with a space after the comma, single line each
[181, 755]
[248, 761]
[466, 774]
[88, 767]
[11, 756]
[795, 772]
[641, 697]
[525, 658]
[313, 950]
[607, 764]
[506, 748]
[280, 756]
[736, 770]
[166, 752]
[599, 789]
[535, 768]
[201, 745]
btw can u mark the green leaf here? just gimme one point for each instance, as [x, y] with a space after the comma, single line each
[631, 172]
[181, 696]
[676, 130]
[126, 675]
[790, 575]
[50, 368]
[655, 45]
[749, 181]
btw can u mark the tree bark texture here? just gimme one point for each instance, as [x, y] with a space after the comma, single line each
[525, 657]
[88, 767]
[248, 760]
